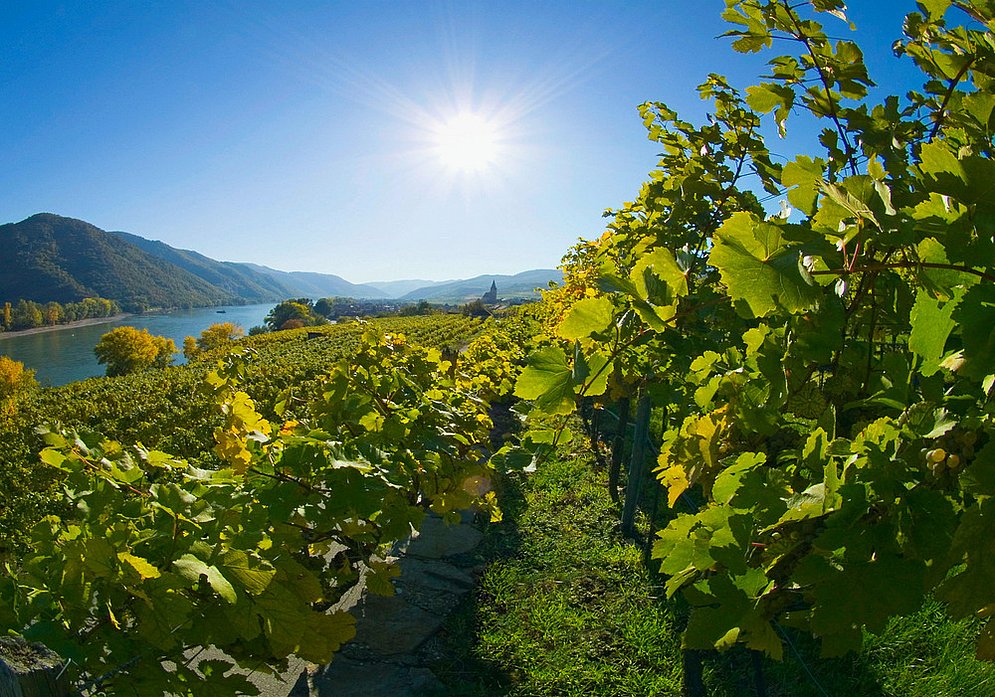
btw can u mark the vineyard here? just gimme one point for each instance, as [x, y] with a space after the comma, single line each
[791, 414]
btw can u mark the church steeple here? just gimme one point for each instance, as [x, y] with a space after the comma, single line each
[490, 297]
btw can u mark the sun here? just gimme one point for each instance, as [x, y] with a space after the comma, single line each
[467, 142]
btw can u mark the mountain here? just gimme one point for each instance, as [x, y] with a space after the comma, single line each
[308, 284]
[395, 289]
[48, 257]
[521, 285]
[236, 279]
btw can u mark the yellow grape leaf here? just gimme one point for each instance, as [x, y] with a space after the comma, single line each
[140, 565]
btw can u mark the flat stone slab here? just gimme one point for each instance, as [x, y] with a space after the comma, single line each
[391, 625]
[436, 540]
[345, 677]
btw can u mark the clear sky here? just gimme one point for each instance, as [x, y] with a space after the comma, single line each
[373, 140]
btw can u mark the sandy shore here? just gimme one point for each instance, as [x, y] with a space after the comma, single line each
[60, 327]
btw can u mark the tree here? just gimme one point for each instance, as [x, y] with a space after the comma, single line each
[128, 350]
[219, 334]
[26, 315]
[52, 313]
[190, 348]
[300, 311]
[215, 336]
[14, 381]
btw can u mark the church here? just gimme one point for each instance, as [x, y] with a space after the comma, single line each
[490, 297]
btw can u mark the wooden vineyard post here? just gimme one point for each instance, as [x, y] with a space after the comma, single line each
[30, 670]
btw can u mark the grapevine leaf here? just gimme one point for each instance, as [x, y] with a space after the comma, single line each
[971, 589]
[192, 568]
[935, 8]
[760, 267]
[53, 458]
[728, 614]
[729, 481]
[251, 574]
[770, 96]
[378, 580]
[976, 315]
[932, 323]
[586, 317]
[803, 177]
[548, 381]
[325, 634]
[99, 557]
[140, 565]
[871, 591]
[164, 611]
[611, 283]
[970, 179]
[660, 281]
[591, 372]
[979, 477]
[222, 683]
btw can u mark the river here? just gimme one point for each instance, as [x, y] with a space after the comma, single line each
[65, 355]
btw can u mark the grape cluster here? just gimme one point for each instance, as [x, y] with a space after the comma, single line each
[951, 452]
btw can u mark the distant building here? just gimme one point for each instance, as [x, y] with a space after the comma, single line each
[490, 297]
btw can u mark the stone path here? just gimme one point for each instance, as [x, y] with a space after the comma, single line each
[395, 635]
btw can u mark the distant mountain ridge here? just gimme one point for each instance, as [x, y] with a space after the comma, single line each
[50, 257]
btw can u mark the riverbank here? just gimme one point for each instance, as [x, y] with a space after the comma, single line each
[59, 327]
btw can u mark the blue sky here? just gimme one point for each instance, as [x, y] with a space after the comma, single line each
[300, 135]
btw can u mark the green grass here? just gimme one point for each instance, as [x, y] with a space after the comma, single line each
[565, 606]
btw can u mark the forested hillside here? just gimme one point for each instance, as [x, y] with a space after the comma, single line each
[50, 258]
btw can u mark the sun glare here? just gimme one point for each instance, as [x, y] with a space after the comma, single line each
[467, 142]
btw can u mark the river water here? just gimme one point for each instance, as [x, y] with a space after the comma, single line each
[65, 355]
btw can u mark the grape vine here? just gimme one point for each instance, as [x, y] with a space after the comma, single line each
[153, 558]
[823, 374]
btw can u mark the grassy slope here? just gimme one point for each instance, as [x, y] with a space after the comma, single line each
[566, 607]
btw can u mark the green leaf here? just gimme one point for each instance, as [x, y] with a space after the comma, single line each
[976, 315]
[192, 568]
[969, 179]
[770, 96]
[729, 481]
[979, 477]
[53, 458]
[932, 323]
[586, 317]
[251, 574]
[548, 381]
[803, 177]
[759, 267]
[659, 280]
[324, 635]
[727, 612]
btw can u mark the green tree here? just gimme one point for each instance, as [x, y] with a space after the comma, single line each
[299, 311]
[26, 315]
[127, 350]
